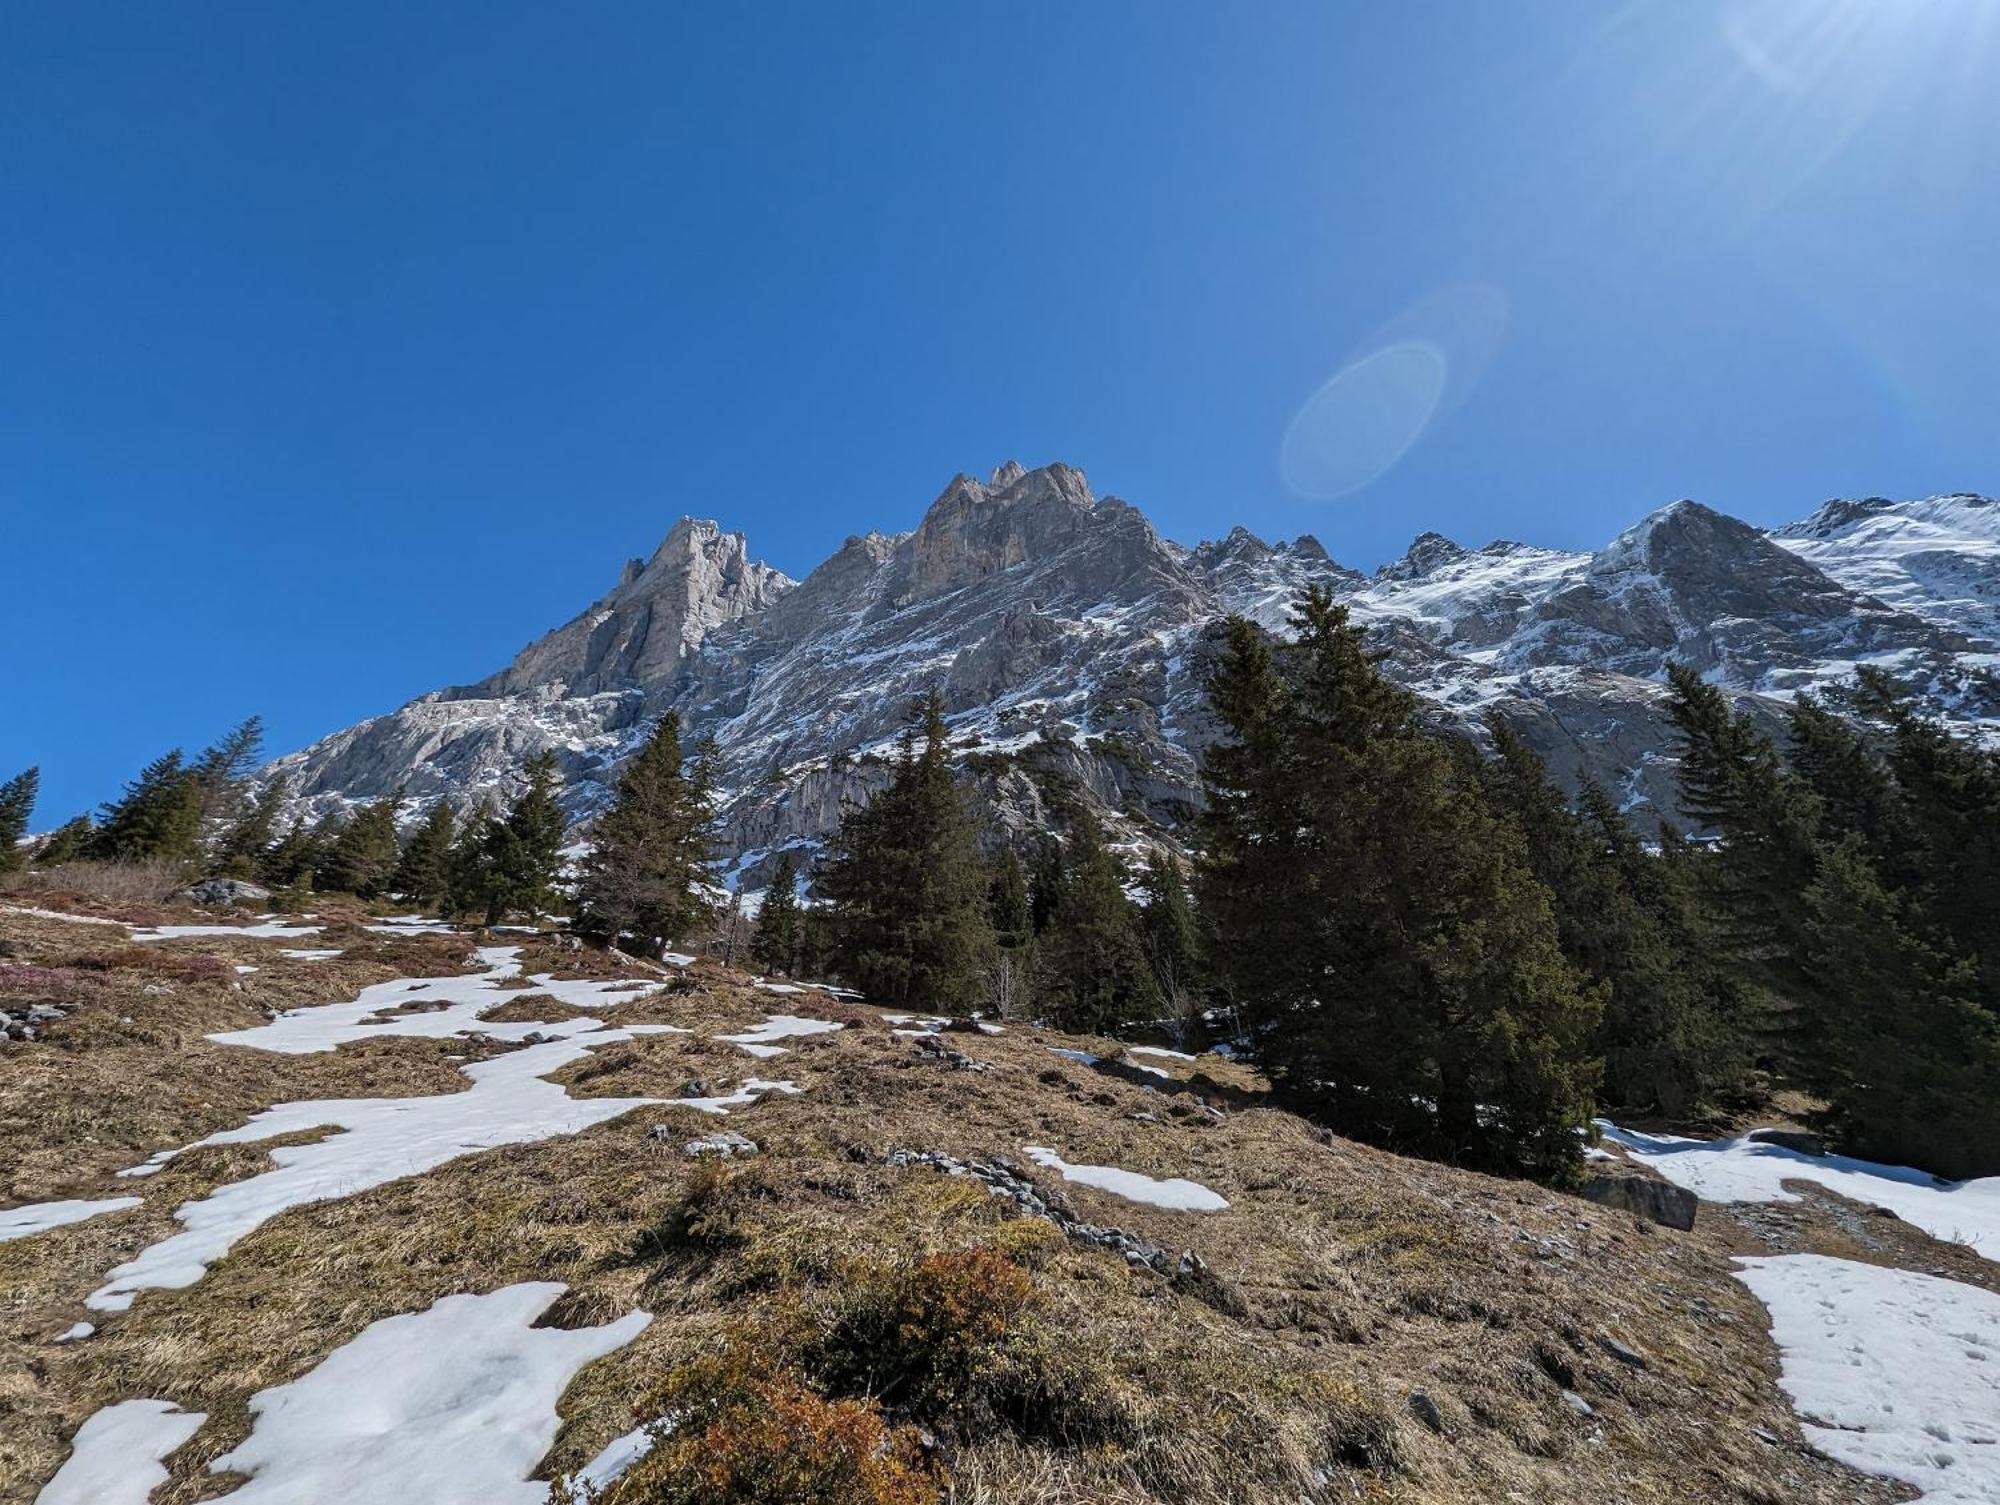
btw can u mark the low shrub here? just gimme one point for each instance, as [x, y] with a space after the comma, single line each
[736, 1432]
[155, 962]
[125, 882]
[915, 1337]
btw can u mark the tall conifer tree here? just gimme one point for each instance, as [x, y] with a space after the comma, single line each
[17, 806]
[1396, 960]
[907, 885]
[776, 942]
[651, 868]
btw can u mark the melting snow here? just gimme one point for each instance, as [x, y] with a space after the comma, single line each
[1748, 1170]
[1174, 1193]
[1158, 1050]
[39, 1217]
[305, 954]
[381, 1139]
[451, 1006]
[457, 1402]
[115, 1458]
[757, 1039]
[268, 932]
[1898, 1373]
[619, 1454]
[76, 1332]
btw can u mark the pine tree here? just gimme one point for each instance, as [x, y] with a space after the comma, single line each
[321, 837]
[69, 842]
[1662, 1039]
[907, 885]
[1395, 959]
[422, 871]
[1753, 884]
[1173, 939]
[17, 806]
[158, 816]
[651, 865]
[524, 850]
[363, 858]
[1007, 899]
[776, 943]
[221, 775]
[1903, 1052]
[468, 878]
[241, 849]
[1092, 966]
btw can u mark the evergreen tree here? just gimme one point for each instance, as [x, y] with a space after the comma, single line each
[242, 847]
[1662, 1038]
[1045, 883]
[908, 887]
[321, 837]
[1092, 963]
[651, 865]
[1754, 881]
[423, 870]
[468, 878]
[1396, 960]
[363, 857]
[69, 842]
[524, 850]
[158, 816]
[1007, 899]
[1903, 1052]
[776, 943]
[221, 775]
[1173, 940]
[17, 806]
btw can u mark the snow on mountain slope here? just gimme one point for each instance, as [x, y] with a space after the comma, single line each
[1938, 559]
[1070, 640]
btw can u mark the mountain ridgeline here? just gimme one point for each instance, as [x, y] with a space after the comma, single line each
[1071, 644]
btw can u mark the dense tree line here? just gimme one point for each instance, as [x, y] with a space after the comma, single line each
[1424, 944]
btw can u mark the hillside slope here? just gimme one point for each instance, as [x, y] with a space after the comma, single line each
[449, 1231]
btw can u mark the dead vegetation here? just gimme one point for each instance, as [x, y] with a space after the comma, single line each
[833, 1327]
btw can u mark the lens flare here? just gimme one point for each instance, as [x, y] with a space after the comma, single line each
[1412, 371]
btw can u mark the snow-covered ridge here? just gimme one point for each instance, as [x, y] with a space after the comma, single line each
[1063, 629]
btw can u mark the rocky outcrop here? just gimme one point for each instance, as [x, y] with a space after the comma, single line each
[1071, 641]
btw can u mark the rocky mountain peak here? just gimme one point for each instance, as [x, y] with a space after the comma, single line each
[659, 611]
[1427, 553]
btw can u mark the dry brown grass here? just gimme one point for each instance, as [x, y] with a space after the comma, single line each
[1352, 1277]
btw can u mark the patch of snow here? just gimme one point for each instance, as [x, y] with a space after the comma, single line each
[273, 931]
[306, 954]
[1173, 1193]
[244, 968]
[57, 914]
[1894, 1373]
[1081, 1057]
[757, 1039]
[457, 1402]
[115, 1457]
[39, 1217]
[752, 1089]
[1158, 1050]
[619, 1454]
[1748, 1170]
[76, 1332]
[452, 1009]
[381, 1140]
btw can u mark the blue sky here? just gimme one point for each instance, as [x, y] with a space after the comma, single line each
[345, 348]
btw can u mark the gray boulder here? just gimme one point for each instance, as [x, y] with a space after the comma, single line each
[1656, 1201]
[223, 891]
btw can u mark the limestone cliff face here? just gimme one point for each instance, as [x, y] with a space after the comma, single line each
[1070, 642]
[658, 613]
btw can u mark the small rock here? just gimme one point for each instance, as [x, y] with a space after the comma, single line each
[1790, 1139]
[1624, 1353]
[725, 1145]
[695, 1088]
[1426, 1411]
[1578, 1404]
